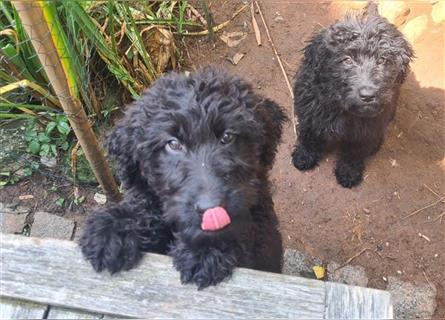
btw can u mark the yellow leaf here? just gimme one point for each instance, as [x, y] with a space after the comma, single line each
[319, 271]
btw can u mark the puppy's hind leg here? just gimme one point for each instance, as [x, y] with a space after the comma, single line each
[114, 238]
[308, 150]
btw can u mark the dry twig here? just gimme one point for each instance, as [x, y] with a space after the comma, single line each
[426, 207]
[218, 27]
[440, 216]
[427, 280]
[256, 29]
[355, 256]
[198, 15]
[279, 62]
[432, 191]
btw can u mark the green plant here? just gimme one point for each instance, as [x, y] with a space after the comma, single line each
[46, 142]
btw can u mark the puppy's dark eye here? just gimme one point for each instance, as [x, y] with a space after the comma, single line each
[227, 137]
[381, 60]
[174, 145]
[348, 61]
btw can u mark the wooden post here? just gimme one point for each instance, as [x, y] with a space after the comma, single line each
[39, 32]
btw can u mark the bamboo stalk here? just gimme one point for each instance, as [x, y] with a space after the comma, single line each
[40, 33]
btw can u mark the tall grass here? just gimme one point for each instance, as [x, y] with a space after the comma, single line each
[108, 49]
[96, 41]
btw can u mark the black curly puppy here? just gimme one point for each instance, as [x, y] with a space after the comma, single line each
[346, 91]
[193, 154]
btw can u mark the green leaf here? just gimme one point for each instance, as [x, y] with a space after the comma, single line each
[63, 127]
[50, 127]
[60, 202]
[79, 200]
[5, 173]
[65, 145]
[27, 171]
[34, 146]
[54, 149]
[44, 150]
[30, 135]
[43, 137]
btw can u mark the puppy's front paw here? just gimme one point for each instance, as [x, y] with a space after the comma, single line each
[203, 269]
[304, 159]
[108, 245]
[349, 174]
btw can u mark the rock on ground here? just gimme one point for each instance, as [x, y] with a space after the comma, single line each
[352, 275]
[412, 300]
[47, 225]
[12, 218]
[12, 223]
[297, 263]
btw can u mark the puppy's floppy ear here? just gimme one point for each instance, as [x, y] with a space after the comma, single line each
[122, 148]
[272, 116]
[404, 55]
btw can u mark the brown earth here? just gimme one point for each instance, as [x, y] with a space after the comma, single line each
[316, 215]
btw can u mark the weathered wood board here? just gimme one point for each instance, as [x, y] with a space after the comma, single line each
[14, 309]
[53, 272]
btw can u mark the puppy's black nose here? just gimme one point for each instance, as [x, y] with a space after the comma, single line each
[367, 94]
[204, 202]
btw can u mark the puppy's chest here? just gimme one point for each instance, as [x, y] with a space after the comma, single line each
[343, 127]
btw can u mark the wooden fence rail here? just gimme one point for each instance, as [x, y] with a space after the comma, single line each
[53, 272]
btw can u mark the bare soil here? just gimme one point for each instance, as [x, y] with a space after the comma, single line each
[316, 215]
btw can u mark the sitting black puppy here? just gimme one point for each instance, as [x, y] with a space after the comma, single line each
[193, 154]
[346, 91]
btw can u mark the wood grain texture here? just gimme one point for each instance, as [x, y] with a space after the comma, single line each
[350, 302]
[14, 309]
[53, 272]
[63, 313]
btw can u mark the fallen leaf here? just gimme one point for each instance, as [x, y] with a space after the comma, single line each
[232, 39]
[236, 58]
[415, 28]
[438, 12]
[319, 272]
[100, 198]
[26, 197]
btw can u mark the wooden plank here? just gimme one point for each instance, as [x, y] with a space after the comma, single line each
[16, 309]
[63, 313]
[54, 272]
[349, 302]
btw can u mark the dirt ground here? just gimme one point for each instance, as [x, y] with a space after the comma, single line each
[316, 215]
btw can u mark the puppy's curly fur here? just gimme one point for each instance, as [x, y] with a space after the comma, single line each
[188, 144]
[346, 91]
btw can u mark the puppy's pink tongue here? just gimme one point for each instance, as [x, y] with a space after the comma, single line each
[215, 219]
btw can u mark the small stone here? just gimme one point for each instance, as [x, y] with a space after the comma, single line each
[352, 275]
[399, 272]
[47, 225]
[13, 208]
[297, 263]
[12, 223]
[48, 162]
[366, 210]
[385, 279]
[278, 18]
[412, 301]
